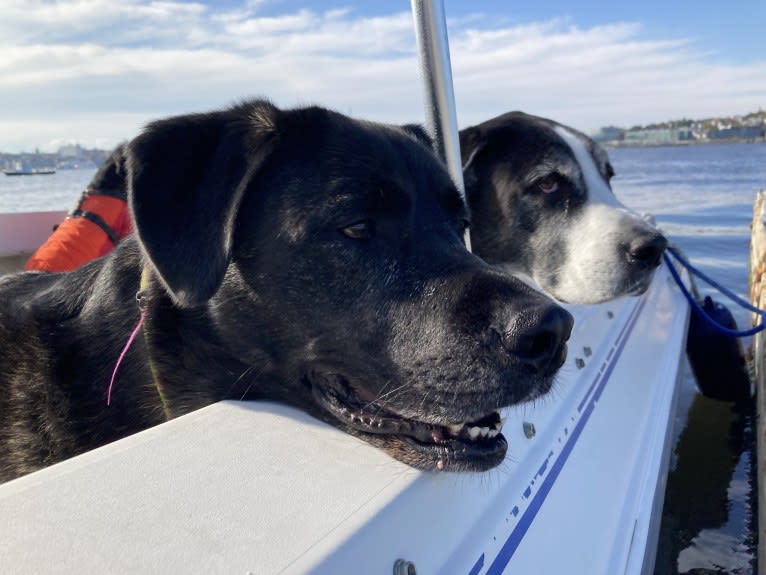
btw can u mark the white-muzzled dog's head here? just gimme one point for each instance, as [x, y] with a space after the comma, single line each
[542, 206]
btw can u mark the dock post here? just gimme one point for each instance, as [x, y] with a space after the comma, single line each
[758, 298]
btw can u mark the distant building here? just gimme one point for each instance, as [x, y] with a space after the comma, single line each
[74, 156]
[27, 160]
[654, 136]
[609, 134]
[70, 151]
[738, 133]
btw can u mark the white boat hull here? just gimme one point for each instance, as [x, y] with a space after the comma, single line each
[262, 488]
[24, 232]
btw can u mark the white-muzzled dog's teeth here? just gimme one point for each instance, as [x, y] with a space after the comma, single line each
[473, 432]
[493, 433]
[484, 431]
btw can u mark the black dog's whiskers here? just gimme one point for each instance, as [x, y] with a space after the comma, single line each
[379, 402]
[244, 374]
[249, 387]
[424, 400]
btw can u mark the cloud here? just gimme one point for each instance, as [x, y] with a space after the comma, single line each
[98, 69]
[49, 133]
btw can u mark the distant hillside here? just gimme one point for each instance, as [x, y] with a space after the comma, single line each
[748, 128]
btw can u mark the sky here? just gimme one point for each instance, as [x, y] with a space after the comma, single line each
[94, 72]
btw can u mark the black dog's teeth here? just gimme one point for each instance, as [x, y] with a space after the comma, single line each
[491, 420]
[488, 426]
[483, 429]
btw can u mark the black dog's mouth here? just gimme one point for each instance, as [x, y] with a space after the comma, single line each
[474, 445]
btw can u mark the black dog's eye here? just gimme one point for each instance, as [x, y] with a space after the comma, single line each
[363, 230]
[548, 184]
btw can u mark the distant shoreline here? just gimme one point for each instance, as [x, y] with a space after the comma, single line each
[680, 143]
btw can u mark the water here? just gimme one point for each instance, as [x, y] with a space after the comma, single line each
[57, 191]
[702, 198]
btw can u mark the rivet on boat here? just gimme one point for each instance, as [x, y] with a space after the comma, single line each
[404, 567]
[579, 362]
[609, 314]
[587, 351]
[529, 429]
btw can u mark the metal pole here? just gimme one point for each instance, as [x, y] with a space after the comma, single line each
[438, 95]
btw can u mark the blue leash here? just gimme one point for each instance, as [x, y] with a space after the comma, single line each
[728, 293]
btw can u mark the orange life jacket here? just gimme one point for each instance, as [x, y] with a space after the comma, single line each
[89, 231]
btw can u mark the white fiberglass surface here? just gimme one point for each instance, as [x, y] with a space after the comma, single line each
[256, 487]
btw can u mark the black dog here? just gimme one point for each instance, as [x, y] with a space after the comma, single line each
[294, 255]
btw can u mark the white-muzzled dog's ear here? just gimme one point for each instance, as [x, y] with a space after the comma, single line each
[186, 178]
[472, 142]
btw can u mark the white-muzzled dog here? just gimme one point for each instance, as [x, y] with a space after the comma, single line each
[542, 207]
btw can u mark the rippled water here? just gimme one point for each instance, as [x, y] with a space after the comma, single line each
[40, 193]
[702, 197]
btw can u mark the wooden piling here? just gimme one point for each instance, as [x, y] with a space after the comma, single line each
[758, 298]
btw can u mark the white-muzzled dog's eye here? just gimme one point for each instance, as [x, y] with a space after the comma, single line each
[362, 230]
[548, 184]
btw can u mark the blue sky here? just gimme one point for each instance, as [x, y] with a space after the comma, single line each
[733, 30]
[96, 71]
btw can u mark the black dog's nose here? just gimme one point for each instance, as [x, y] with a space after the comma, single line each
[539, 339]
[645, 251]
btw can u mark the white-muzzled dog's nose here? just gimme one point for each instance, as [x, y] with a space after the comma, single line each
[645, 250]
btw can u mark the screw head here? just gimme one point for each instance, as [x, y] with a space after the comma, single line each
[404, 567]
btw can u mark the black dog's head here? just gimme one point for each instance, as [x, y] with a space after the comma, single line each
[542, 205]
[333, 247]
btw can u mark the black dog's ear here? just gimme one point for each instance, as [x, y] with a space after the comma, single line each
[186, 177]
[419, 133]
